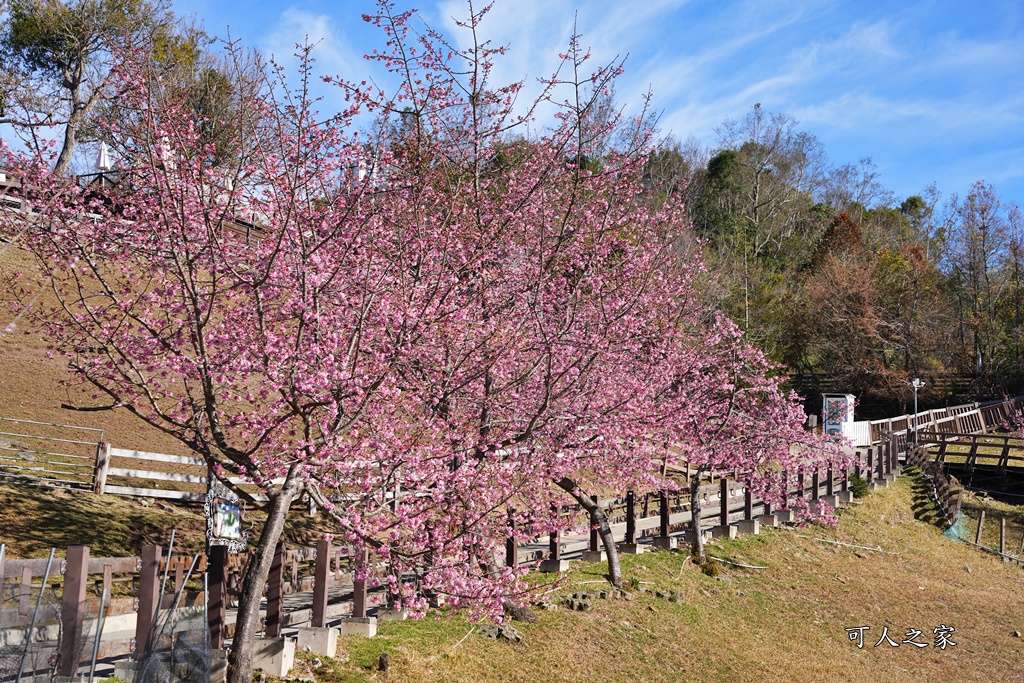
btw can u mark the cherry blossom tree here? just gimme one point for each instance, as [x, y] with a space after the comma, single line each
[427, 327]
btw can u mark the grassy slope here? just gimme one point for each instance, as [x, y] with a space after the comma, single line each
[783, 623]
[33, 385]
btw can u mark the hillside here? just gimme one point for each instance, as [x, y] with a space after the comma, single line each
[785, 622]
[34, 385]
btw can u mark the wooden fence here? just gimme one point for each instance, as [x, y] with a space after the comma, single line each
[105, 469]
[139, 598]
[947, 493]
[1000, 452]
[49, 454]
[970, 418]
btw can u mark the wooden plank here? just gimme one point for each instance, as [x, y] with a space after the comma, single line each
[11, 618]
[723, 502]
[217, 599]
[630, 517]
[155, 493]
[25, 600]
[321, 583]
[158, 457]
[159, 476]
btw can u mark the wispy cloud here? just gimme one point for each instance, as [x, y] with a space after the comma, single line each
[929, 86]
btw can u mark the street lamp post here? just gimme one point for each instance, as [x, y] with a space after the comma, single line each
[917, 384]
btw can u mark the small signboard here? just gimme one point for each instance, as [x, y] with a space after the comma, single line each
[837, 409]
[224, 517]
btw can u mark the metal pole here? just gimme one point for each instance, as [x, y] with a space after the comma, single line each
[99, 635]
[167, 567]
[35, 615]
[915, 412]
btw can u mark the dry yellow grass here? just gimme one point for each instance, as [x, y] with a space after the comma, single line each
[783, 623]
[33, 385]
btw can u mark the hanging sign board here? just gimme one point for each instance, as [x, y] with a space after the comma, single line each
[224, 517]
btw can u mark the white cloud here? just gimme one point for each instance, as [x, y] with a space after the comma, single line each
[295, 27]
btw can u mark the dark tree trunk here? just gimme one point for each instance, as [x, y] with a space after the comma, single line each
[256, 581]
[604, 529]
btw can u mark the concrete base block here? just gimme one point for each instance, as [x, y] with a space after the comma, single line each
[668, 543]
[218, 666]
[276, 656]
[890, 477]
[724, 531]
[687, 537]
[631, 549]
[878, 484]
[768, 520]
[392, 614]
[554, 566]
[358, 626]
[785, 516]
[322, 641]
[845, 496]
[126, 669]
[832, 500]
[595, 556]
[749, 526]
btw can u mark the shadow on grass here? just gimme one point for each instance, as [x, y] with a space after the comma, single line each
[924, 507]
[36, 519]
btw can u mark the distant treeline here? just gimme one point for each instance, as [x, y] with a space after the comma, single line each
[854, 289]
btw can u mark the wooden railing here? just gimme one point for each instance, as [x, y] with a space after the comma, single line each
[1009, 449]
[970, 418]
[139, 598]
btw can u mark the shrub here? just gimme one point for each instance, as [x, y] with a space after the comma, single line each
[858, 486]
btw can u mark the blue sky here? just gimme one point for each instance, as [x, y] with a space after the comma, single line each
[931, 91]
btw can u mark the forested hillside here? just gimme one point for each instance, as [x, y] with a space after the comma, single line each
[854, 288]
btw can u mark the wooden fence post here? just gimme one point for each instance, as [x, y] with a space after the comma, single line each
[72, 609]
[555, 545]
[630, 518]
[723, 494]
[99, 479]
[800, 483]
[275, 586]
[1002, 535]
[785, 489]
[216, 585]
[663, 515]
[149, 597]
[511, 547]
[593, 531]
[321, 582]
[815, 485]
[981, 522]
[748, 502]
[830, 488]
[25, 601]
[359, 585]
